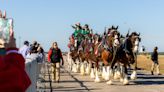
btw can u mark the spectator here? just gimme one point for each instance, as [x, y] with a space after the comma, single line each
[143, 50]
[13, 77]
[154, 58]
[25, 49]
[34, 47]
[54, 56]
[41, 54]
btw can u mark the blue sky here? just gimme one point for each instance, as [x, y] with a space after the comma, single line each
[49, 20]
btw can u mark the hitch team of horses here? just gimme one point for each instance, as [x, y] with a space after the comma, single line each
[107, 55]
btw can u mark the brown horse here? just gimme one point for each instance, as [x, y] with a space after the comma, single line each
[73, 55]
[87, 53]
[83, 53]
[108, 50]
[107, 53]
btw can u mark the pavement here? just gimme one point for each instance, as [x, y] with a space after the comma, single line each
[74, 82]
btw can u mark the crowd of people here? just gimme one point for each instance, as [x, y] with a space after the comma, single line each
[35, 48]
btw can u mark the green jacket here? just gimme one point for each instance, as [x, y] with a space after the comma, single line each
[80, 34]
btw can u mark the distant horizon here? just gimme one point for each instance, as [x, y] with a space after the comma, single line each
[49, 21]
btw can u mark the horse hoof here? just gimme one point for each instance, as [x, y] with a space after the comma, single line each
[116, 77]
[121, 80]
[97, 81]
[92, 76]
[106, 78]
[126, 82]
[109, 82]
[82, 74]
[133, 77]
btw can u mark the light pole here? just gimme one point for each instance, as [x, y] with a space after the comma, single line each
[19, 41]
[128, 26]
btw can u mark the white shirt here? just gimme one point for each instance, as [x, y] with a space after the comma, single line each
[24, 50]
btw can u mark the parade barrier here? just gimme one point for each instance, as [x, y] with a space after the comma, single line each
[31, 69]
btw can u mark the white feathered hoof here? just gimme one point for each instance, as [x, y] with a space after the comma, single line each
[88, 70]
[92, 75]
[103, 73]
[82, 73]
[82, 70]
[116, 76]
[78, 68]
[121, 79]
[133, 75]
[107, 76]
[74, 69]
[109, 82]
[99, 73]
[97, 79]
[125, 82]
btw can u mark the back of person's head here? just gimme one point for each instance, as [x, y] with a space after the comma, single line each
[34, 47]
[38, 45]
[155, 48]
[35, 43]
[26, 43]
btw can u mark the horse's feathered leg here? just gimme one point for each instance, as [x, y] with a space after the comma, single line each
[134, 73]
[92, 75]
[97, 79]
[88, 69]
[125, 81]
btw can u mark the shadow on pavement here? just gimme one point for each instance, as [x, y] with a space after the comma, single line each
[148, 79]
[80, 82]
[74, 90]
[149, 82]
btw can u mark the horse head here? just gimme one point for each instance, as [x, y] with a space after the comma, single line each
[133, 45]
[96, 38]
[135, 38]
[115, 35]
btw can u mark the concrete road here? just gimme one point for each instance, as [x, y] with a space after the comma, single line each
[74, 82]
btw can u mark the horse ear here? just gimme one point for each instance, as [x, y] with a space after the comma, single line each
[116, 27]
[112, 27]
[139, 39]
[127, 33]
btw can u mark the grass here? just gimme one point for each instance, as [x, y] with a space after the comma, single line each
[145, 62]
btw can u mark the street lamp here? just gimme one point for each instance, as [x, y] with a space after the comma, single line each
[19, 41]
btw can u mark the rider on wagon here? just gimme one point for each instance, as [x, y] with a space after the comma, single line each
[81, 33]
[77, 34]
[86, 31]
